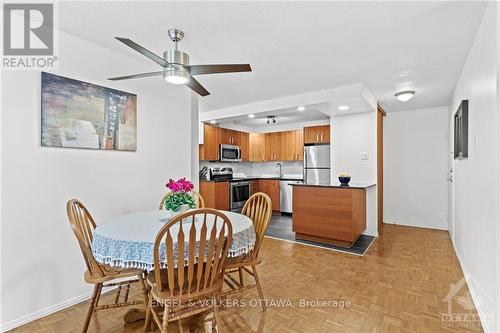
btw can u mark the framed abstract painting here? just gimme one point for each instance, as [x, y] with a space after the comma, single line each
[77, 114]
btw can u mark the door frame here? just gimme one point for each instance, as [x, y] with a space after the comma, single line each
[380, 165]
[451, 177]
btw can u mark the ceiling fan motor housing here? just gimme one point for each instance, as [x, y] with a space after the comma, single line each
[176, 57]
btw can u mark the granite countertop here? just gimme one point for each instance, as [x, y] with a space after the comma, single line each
[352, 185]
[243, 178]
[285, 178]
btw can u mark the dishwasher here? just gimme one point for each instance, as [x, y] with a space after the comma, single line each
[286, 195]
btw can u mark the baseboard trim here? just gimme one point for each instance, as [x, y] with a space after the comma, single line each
[4, 327]
[415, 226]
[469, 283]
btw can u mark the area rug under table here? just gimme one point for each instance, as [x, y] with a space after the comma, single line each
[281, 228]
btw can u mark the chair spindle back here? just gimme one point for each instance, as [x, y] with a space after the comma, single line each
[259, 209]
[204, 268]
[83, 226]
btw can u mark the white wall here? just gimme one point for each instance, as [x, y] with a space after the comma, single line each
[415, 168]
[42, 268]
[352, 135]
[476, 214]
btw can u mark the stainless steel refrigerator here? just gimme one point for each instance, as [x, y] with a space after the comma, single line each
[317, 164]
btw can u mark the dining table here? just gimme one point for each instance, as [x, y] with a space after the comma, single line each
[127, 241]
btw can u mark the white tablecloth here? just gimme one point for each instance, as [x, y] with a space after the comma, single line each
[127, 241]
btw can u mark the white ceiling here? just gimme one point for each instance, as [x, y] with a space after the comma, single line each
[283, 117]
[297, 47]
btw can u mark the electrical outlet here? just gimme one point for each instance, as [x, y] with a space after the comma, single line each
[364, 156]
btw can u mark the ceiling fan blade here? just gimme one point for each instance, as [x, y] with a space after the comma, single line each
[197, 87]
[215, 69]
[135, 76]
[159, 60]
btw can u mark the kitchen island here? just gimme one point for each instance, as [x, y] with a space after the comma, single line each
[329, 213]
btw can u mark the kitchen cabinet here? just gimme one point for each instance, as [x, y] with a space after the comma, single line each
[317, 134]
[271, 187]
[229, 137]
[209, 150]
[331, 215]
[254, 186]
[257, 147]
[293, 146]
[274, 146]
[244, 145]
[215, 194]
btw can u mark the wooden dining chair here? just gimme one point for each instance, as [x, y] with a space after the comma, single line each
[259, 209]
[200, 203]
[186, 286]
[100, 275]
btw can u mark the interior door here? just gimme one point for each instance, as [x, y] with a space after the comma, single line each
[451, 180]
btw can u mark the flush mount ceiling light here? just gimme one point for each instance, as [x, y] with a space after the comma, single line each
[301, 108]
[251, 116]
[343, 107]
[271, 120]
[213, 122]
[405, 96]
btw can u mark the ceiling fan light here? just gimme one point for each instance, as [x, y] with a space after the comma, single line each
[176, 75]
[405, 96]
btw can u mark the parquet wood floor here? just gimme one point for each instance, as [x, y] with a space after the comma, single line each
[398, 286]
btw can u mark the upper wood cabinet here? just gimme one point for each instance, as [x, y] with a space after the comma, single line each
[274, 146]
[293, 145]
[317, 134]
[271, 187]
[299, 144]
[257, 147]
[229, 137]
[244, 145]
[209, 150]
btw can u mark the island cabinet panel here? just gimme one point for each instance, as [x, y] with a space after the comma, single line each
[257, 143]
[215, 194]
[209, 150]
[329, 215]
[271, 187]
[244, 145]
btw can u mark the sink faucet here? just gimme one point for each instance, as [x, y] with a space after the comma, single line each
[278, 171]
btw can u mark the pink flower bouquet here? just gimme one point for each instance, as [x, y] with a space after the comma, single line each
[181, 195]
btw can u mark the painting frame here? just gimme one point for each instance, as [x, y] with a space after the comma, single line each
[85, 115]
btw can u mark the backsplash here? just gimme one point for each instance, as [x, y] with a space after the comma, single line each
[258, 168]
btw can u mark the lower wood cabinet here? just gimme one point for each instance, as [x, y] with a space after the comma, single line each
[215, 194]
[271, 187]
[254, 186]
[329, 215]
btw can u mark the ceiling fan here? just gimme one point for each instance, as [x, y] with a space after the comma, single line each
[176, 68]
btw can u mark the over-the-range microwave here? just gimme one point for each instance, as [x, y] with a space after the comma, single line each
[229, 153]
